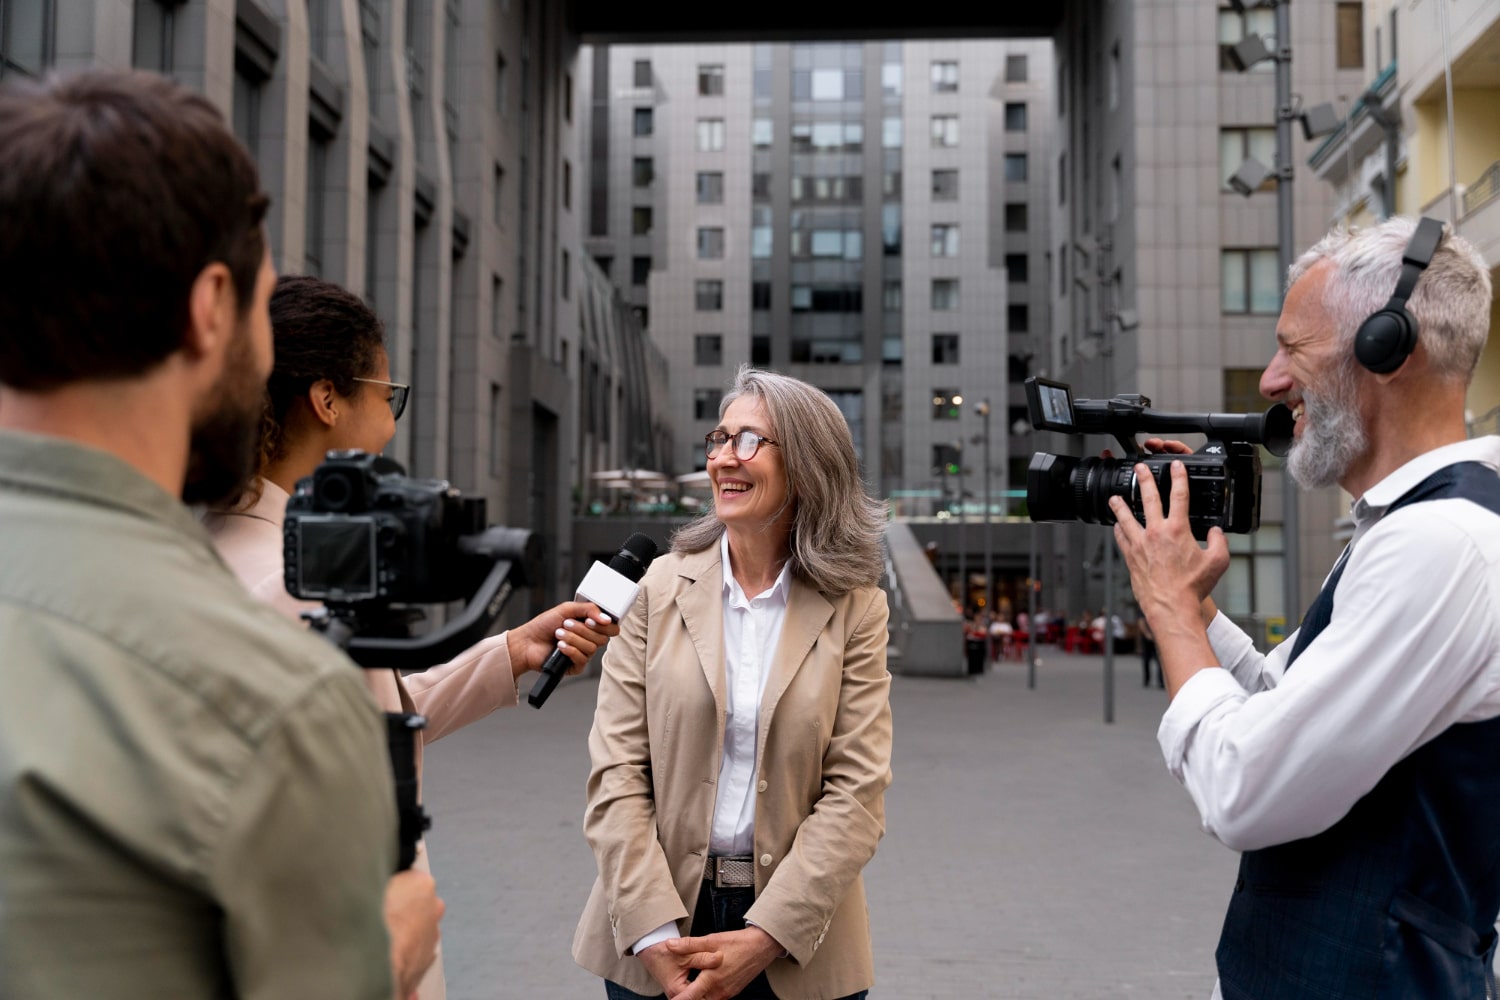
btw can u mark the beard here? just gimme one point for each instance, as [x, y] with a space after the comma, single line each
[224, 448]
[1335, 436]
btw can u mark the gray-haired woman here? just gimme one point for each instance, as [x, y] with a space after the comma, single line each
[741, 746]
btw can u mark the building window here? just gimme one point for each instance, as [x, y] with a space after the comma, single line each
[1235, 25]
[945, 348]
[1015, 117]
[152, 44]
[1350, 35]
[645, 121]
[945, 77]
[1015, 217]
[706, 403]
[711, 80]
[945, 130]
[760, 295]
[761, 132]
[567, 185]
[1015, 167]
[890, 185]
[890, 133]
[760, 232]
[890, 229]
[1015, 267]
[640, 270]
[760, 187]
[1062, 179]
[497, 313]
[710, 135]
[708, 296]
[944, 294]
[710, 187]
[891, 296]
[642, 171]
[247, 93]
[710, 243]
[945, 240]
[828, 84]
[1015, 69]
[1018, 318]
[567, 275]
[708, 349]
[1237, 143]
[945, 185]
[497, 195]
[502, 97]
[640, 220]
[947, 404]
[1250, 281]
[1017, 370]
[760, 350]
[643, 72]
[26, 36]
[567, 101]
[315, 208]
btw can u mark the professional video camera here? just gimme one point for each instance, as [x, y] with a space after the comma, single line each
[371, 543]
[1223, 475]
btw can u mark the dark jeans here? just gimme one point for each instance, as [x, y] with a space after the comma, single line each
[719, 910]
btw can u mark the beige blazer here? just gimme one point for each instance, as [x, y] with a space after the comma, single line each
[824, 748]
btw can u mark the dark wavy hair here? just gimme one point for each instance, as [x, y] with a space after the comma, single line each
[116, 190]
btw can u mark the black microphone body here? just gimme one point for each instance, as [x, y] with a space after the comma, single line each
[613, 588]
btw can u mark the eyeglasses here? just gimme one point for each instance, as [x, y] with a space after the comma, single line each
[746, 443]
[399, 393]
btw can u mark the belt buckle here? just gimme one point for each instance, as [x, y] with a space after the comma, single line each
[723, 879]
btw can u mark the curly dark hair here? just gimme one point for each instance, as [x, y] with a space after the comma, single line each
[321, 331]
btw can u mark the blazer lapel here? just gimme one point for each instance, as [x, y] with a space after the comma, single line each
[702, 607]
[807, 614]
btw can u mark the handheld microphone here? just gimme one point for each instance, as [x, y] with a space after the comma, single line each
[613, 588]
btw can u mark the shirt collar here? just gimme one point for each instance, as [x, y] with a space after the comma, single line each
[1372, 506]
[74, 471]
[735, 594]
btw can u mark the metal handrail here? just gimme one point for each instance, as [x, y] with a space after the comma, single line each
[1484, 190]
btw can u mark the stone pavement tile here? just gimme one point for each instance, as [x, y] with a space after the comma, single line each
[1031, 850]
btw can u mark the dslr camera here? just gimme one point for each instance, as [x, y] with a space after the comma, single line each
[1223, 475]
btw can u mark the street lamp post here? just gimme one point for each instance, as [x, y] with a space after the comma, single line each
[983, 409]
[963, 578]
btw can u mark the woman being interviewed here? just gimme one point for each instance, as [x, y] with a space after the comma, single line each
[741, 745]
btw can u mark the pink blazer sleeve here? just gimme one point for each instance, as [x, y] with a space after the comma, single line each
[465, 689]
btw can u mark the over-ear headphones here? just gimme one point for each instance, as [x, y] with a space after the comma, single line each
[1387, 338]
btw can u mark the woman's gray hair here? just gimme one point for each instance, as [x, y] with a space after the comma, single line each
[836, 525]
[1451, 302]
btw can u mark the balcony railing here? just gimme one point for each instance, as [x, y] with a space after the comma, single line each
[1484, 190]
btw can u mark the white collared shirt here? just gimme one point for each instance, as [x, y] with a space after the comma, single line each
[752, 631]
[1271, 756]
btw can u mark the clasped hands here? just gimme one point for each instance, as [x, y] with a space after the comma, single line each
[726, 963]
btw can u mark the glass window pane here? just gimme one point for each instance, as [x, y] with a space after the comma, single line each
[1231, 154]
[828, 85]
[1232, 297]
[1263, 145]
[890, 79]
[1236, 586]
[1268, 583]
[1265, 282]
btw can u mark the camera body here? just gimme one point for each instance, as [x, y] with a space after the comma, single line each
[1224, 476]
[358, 530]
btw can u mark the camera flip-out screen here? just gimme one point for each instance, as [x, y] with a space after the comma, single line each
[1051, 404]
[337, 557]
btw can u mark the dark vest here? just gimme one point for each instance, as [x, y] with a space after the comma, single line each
[1398, 900]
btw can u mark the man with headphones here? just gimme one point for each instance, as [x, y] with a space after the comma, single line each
[1357, 765]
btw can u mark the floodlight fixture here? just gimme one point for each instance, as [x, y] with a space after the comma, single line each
[1320, 119]
[1250, 176]
[1248, 51]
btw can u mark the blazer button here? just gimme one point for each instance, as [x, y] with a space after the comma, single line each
[762, 786]
[765, 861]
[1239, 885]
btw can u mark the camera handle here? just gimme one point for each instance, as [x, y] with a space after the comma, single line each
[402, 730]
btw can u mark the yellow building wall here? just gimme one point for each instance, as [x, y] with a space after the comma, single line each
[1476, 126]
[1484, 391]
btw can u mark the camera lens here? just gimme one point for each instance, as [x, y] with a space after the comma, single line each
[333, 491]
[1063, 488]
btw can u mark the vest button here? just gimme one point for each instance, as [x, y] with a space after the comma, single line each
[1239, 885]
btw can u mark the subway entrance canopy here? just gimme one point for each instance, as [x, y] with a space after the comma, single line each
[608, 22]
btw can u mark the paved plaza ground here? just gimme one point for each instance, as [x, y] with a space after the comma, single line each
[1031, 850]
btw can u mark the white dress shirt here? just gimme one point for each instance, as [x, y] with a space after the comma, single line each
[1270, 756]
[752, 630]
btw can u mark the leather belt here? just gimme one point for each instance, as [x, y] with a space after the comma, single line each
[730, 873]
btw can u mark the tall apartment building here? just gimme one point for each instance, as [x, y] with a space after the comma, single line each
[1392, 152]
[1165, 280]
[421, 153]
[869, 217]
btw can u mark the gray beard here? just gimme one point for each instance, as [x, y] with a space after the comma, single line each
[1334, 438]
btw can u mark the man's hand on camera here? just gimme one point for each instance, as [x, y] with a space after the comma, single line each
[1170, 574]
[578, 628]
[412, 913]
[1162, 446]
